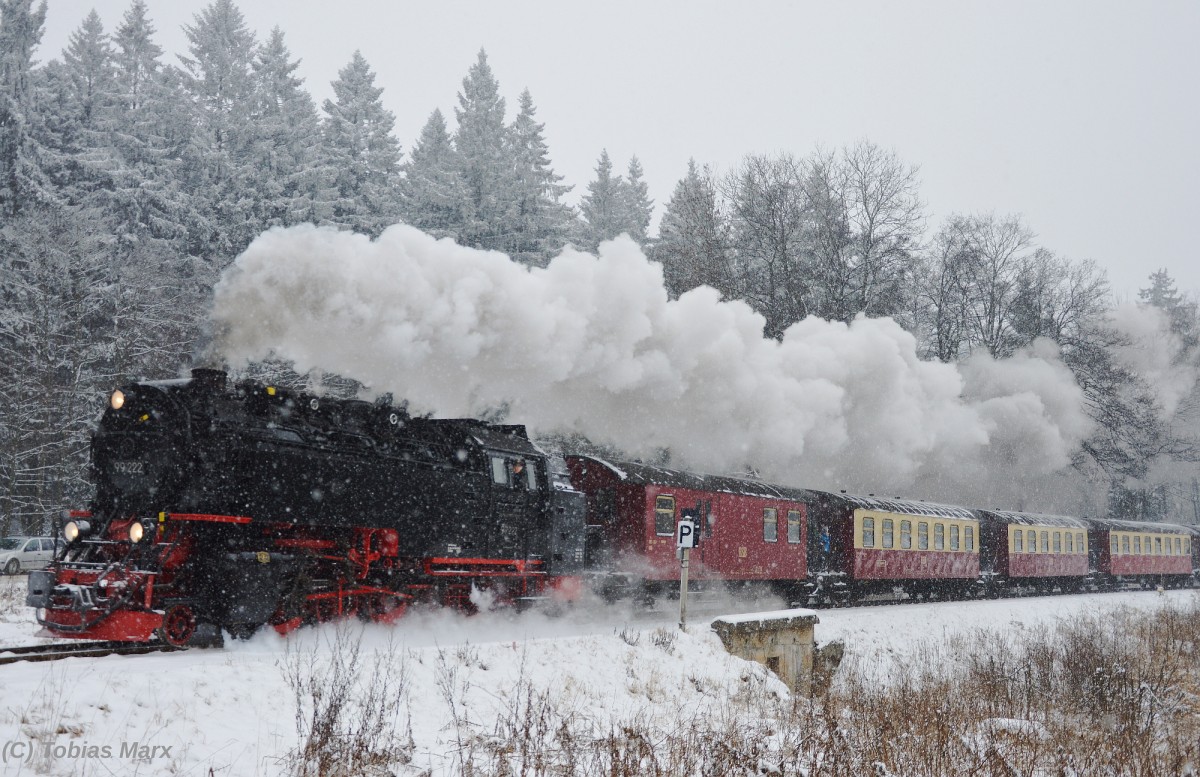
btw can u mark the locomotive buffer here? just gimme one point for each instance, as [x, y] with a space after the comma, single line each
[687, 536]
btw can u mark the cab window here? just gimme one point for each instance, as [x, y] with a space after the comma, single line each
[868, 537]
[770, 524]
[888, 525]
[499, 471]
[1018, 541]
[906, 534]
[969, 538]
[939, 536]
[793, 534]
[664, 516]
[531, 481]
[922, 536]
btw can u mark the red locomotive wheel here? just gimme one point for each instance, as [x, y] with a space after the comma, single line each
[178, 626]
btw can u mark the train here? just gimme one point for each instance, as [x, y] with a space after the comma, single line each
[225, 507]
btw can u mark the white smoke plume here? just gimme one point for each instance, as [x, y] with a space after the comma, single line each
[592, 344]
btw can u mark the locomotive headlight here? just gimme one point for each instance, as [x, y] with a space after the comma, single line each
[75, 530]
[117, 400]
[141, 530]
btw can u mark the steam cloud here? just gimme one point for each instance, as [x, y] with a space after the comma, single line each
[592, 344]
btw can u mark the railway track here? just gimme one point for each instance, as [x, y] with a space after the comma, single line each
[56, 651]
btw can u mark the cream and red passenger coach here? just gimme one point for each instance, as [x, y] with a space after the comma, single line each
[870, 545]
[1149, 554]
[1033, 550]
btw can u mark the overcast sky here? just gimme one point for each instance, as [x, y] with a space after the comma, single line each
[1082, 116]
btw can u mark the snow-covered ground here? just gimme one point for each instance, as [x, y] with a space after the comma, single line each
[455, 686]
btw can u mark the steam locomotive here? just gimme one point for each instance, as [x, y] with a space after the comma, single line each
[233, 507]
[229, 508]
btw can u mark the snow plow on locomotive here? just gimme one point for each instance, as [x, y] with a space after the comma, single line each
[233, 507]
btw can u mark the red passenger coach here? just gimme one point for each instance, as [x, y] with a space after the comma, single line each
[1142, 553]
[750, 531]
[869, 545]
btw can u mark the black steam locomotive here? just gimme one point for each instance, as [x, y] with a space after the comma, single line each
[232, 507]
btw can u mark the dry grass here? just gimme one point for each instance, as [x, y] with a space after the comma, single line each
[351, 711]
[1111, 696]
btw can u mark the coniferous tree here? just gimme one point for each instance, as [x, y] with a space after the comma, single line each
[639, 208]
[487, 169]
[299, 182]
[693, 238]
[603, 206]
[432, 193]
[147, 202]
[359, 145]
[541, 222]
[217, 164]
[22, 178]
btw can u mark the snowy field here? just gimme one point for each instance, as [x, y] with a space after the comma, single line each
[446, 688]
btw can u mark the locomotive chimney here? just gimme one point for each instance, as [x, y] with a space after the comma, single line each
[213, 380]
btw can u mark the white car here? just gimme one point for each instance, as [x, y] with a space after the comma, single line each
[21, 554]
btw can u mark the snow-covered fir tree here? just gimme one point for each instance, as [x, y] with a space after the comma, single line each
[541, 222]
[358, 139]
[693, 237]
[217, 165]
[432, 192]
[299, 181]
[487, 169]
[639, 208]
[603, 206]
[23, 181]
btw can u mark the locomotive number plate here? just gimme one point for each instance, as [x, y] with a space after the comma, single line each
[129, 467]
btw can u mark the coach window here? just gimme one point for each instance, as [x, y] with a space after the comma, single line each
[1018, 541]
[1125, 544]
[1178, 546]
[1158, 546]
[939, 536]
[906, 534]
[969, 538]
[868, 532]
[1137, 544]
[1045, 544]
[888, 525]
[1058, 542]
[1031, 539]
[1079, 543]
[664, 516]
[793, 526]
[770, 524]
[922, 536]
[953, 536]
[1070, 542]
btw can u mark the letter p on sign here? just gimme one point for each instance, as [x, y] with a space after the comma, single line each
[685, 534]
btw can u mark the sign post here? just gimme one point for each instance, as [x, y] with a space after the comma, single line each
[686, 534]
